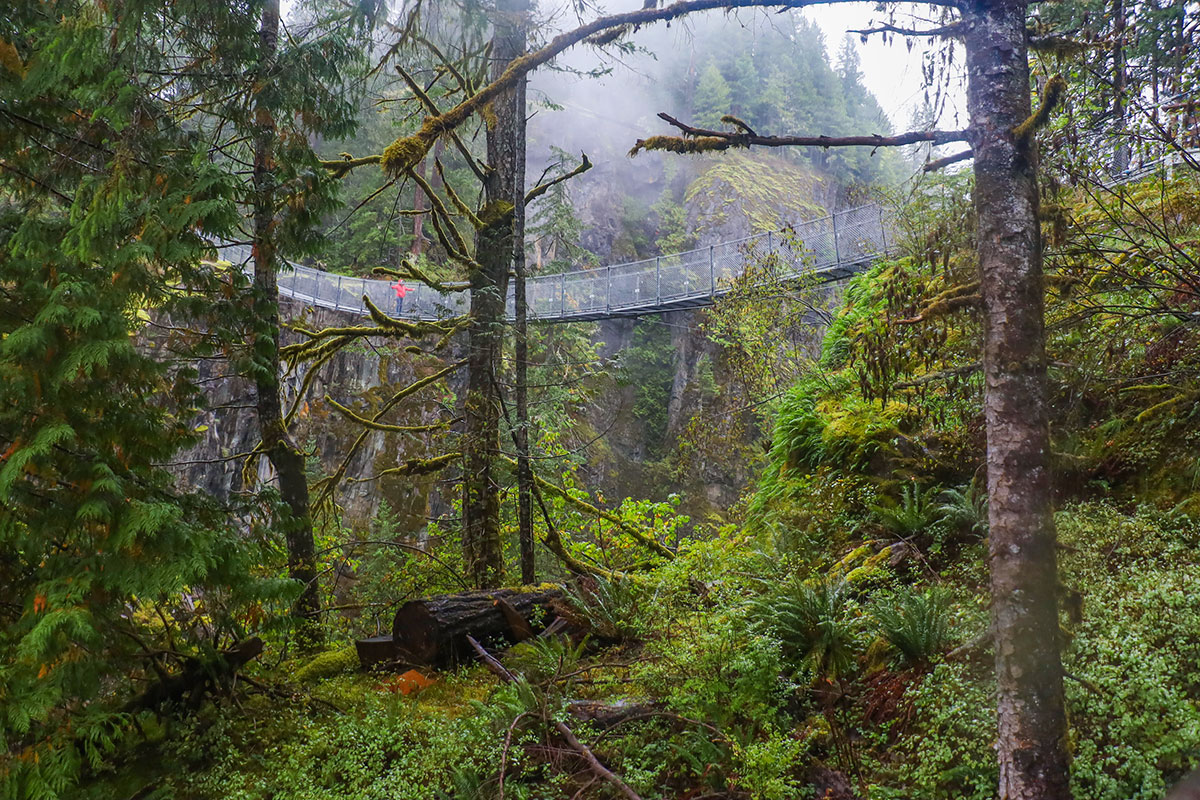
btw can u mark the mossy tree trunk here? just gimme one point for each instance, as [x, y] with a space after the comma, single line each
[489, 289]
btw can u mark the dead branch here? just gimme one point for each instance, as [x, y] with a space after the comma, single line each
[498, 669]
[541, 189]
[404, 153]
[953, 30]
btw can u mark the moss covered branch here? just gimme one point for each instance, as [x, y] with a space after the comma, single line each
[704, 140]
[542, 188]
[595, 511]
[410, 270]
[416, 466]
[953, 299]
[350, 414]
[1053, 92]
[326, 485]
[406, 151]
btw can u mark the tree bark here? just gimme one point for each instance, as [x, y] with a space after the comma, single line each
[418, 241]
[489, 289]
[285, 457]
[1031, 748]
[1121, 148]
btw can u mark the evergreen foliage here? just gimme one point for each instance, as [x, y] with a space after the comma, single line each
[736, 658]
[108, 205]
[783, 84]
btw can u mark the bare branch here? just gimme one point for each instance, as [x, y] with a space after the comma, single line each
[542, 188]
[935, 165]
[951, 31]
[405, 152]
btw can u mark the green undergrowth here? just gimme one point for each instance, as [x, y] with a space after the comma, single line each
[762, 676]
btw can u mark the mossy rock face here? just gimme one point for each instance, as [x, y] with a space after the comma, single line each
[328, 665]
[742, 193]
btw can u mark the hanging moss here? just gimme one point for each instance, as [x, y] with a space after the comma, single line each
[1051, 95]
[682, 144]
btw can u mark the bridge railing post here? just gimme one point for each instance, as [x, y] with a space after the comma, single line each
[837, 253]
[337, 295]
[712, 274]
[882, 232]
[608, 288]
[562, 294]
[658, 280]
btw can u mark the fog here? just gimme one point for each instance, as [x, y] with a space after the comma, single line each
[622, 104]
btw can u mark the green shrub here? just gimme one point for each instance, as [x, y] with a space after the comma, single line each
[386, 747]
[946, 752]
[1136, 652]
[714, 666]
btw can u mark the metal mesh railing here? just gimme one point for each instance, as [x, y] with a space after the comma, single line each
[1165, 164]
[844, 239]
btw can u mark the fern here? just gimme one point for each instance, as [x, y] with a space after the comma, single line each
[612, 607]
[914, 512]
[916, 624]
[815, 625]
[966, 508]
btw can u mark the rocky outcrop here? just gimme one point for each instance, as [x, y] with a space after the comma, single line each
[360, 377]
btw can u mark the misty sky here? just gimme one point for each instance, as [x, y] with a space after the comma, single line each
[890, 71]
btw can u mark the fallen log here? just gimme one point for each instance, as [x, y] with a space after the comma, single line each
[433, 632]
[197, 678]
[606, 716]
[376, 651]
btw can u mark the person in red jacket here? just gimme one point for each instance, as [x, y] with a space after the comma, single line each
[400, 290]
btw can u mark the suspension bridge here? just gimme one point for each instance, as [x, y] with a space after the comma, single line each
[825, 249]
